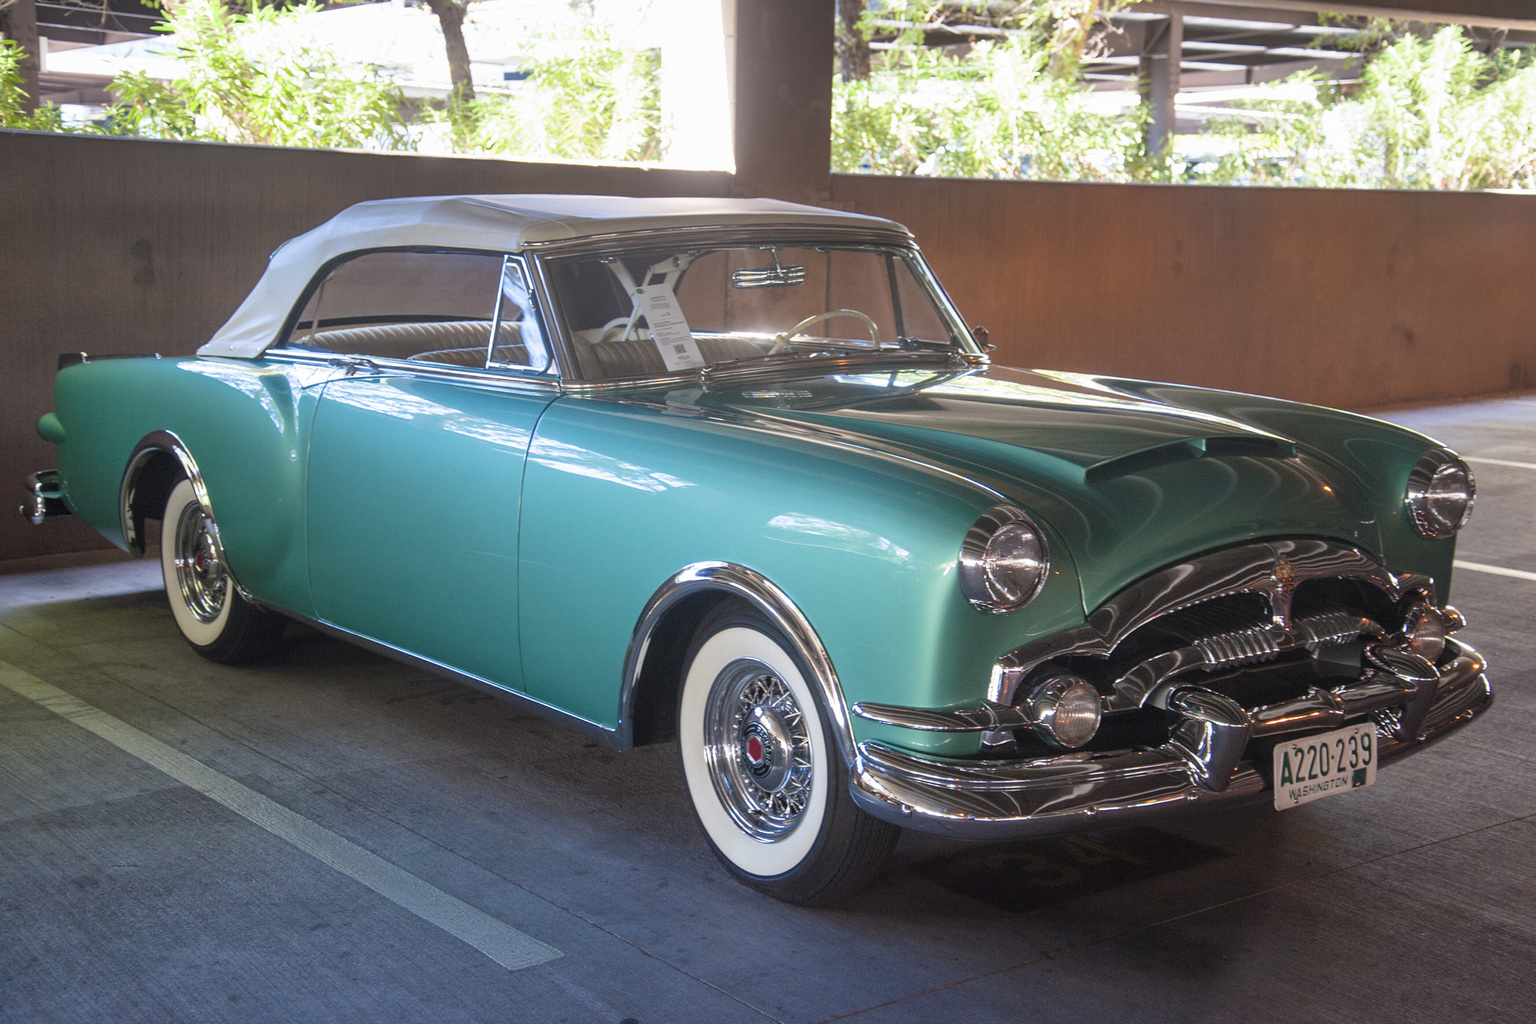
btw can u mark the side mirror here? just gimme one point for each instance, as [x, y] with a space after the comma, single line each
[980, 334]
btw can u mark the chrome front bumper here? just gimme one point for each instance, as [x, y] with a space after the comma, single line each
[997, 800]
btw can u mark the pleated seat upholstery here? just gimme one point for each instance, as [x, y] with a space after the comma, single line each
[638, 357]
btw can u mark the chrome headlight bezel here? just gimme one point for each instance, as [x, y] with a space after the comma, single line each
[1441, 492]
[1004, 561]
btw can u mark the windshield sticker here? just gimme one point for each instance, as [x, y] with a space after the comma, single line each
[669, 329]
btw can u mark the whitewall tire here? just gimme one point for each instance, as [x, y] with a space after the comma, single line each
[766, 780]
[214, 618]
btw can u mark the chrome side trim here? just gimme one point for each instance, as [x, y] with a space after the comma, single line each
[1270, 569]
[760, 592]
[995, 800]
[159, 442]
[497, 377]
[983, 717]
[437, 668]
[45, 497]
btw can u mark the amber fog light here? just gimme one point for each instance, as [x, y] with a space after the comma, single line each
[1065, 710]
[1426, 628]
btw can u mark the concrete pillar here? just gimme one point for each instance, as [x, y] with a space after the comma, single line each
[784, 65]
[19, 20]
[1160, 78]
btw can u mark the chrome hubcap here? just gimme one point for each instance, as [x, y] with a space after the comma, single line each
[200, 575]
[758, 750]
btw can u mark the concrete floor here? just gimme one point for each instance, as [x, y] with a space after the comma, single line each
[126, 895]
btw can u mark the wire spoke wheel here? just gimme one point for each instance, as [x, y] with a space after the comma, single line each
[758, 750]
[200, 574]
[768, 785]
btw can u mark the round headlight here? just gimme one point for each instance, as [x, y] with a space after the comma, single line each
[1065, 710]
[1440, 493]
[1003, 561]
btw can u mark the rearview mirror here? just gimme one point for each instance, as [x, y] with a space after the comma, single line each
[768, 277]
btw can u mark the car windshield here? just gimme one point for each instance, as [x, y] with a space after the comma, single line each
[662, 311]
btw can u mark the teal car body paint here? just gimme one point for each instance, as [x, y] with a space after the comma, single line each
[735, 473]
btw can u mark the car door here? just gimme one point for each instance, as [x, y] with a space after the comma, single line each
[416, 456]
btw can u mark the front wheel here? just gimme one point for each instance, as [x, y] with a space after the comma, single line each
[767, 783]
[216, 621]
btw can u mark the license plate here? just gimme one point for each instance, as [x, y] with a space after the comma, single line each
[1329, 763]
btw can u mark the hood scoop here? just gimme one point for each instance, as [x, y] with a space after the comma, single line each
[1247, 445]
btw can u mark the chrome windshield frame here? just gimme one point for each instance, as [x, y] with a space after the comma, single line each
[900, 244]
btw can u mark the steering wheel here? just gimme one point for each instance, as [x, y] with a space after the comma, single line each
[618, 323]
[781, 341]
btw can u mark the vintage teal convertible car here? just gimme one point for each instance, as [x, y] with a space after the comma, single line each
[737, 473]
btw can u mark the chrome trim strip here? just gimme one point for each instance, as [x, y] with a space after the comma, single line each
[1271, 569]
[545, 310]
[500, 377]
[437, 668]
[983, 717]
[152, 444]
[1144, 683]
[45, 497]
[784, 234]
[1038, 799]
[760, 592]
[1022, 799]
[164, 441]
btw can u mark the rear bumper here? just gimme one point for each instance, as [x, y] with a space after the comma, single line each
[45, 497]
[996, 800]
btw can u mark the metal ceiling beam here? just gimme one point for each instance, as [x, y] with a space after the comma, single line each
[1511, 14]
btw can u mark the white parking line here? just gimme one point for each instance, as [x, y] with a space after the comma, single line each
[1495, 570]
[1500, 462]
[502, 943]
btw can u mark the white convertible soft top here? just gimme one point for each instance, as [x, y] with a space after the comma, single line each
[496, 223]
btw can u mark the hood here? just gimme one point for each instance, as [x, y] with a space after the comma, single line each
[1127, 483]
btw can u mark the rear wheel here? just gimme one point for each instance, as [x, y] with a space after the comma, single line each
[767, 783]
[216, 621]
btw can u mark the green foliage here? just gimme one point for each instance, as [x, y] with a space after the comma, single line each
[1428, 114]
[242, 85]
[998, 111]
[13, 95]
[586, 98]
